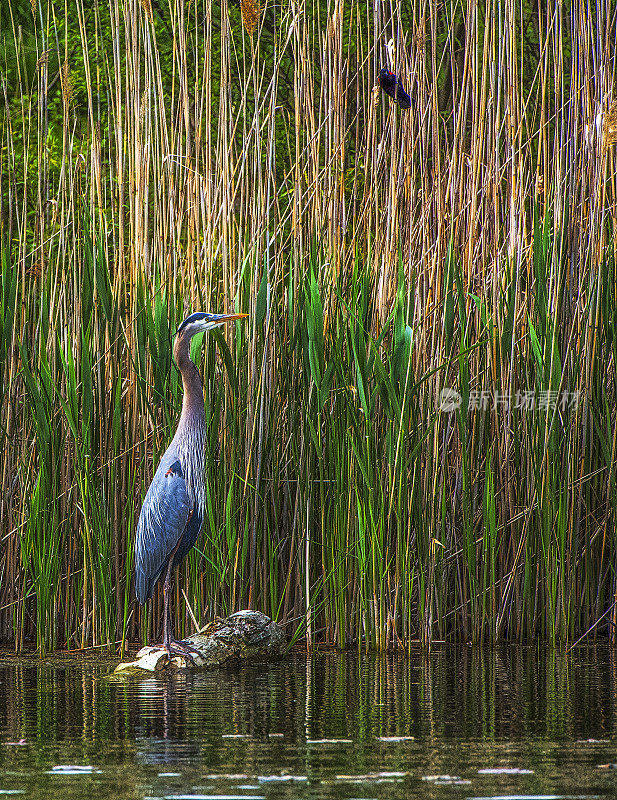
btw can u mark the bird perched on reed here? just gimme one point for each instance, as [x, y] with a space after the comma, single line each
[173, 509]
[393, 86]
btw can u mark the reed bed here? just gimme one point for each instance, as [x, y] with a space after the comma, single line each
[414, 436]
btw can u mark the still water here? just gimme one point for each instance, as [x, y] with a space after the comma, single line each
[459, 724]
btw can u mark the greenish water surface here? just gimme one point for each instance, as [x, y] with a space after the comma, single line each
[460, 723]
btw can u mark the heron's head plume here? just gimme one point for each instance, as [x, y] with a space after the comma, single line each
[201, 321]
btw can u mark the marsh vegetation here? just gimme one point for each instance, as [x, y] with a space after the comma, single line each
[162, 158]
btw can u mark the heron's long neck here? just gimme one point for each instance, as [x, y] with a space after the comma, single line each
[193, 400]
[189, 441]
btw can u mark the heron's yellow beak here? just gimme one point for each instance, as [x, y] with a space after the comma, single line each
[229, 317]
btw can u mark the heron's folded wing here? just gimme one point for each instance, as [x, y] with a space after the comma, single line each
[162, 521]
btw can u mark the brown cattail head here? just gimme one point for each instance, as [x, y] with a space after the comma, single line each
[147, 7]
[609, 126]
[250, 15]
[43, 60]
[67, 82]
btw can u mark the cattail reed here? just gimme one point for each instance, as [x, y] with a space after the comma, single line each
[609, 126]
[67, 83]
[250, 15]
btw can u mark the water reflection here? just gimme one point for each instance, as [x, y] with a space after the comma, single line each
[510, 719]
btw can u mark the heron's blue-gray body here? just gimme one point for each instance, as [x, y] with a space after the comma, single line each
[173, 509]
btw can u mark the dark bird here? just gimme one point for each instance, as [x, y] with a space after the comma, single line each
[393, 86]
[173, 509]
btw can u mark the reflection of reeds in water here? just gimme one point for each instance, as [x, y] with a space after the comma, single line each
[383, 256]
[340, 700]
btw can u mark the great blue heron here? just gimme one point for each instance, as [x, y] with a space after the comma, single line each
[173, 509]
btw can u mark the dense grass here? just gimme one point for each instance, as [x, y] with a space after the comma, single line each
[157, 160]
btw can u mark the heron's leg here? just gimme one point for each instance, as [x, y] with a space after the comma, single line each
[170, 643]
[167, 624]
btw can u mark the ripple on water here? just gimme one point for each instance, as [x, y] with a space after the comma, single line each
[537, 797]
[504, 771]
[227, 777]
[446, 780]
[74, 769]
[329, 741]
[394, 739]
[593, 741]
[374, 777]
[209, 797]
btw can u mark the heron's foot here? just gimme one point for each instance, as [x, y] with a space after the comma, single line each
[177, 648]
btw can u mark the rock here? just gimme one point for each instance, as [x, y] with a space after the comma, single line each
[150, 659]
[243, 636]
